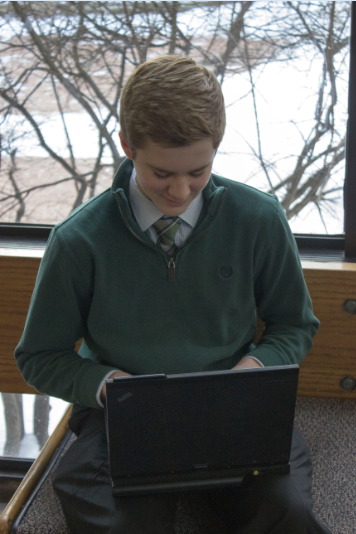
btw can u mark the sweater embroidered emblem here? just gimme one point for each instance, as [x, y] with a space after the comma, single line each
[226, 271]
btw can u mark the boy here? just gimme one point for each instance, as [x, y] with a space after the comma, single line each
[162, 274]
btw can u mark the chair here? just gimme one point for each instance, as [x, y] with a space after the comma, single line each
[27, 491]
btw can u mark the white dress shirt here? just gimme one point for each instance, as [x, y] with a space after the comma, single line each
[147, 213]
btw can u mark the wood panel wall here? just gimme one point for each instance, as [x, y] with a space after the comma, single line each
[330, 284]
[17, 280]
[334, 353]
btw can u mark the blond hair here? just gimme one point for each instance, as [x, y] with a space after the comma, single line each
[173, 102]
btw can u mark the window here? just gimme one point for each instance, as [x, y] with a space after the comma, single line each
[26, 422]
[284, 72]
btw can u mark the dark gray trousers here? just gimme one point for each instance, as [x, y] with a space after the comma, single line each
[274, 504]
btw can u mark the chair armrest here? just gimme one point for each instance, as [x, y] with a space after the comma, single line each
[22, 493]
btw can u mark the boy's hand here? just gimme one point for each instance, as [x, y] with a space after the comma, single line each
[103, 391]
[247, 363]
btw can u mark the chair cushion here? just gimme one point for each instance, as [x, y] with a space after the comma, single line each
[44, 515]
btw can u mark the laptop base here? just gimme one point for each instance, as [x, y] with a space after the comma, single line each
[191, 481]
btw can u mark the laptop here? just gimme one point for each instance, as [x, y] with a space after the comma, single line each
[199, 430]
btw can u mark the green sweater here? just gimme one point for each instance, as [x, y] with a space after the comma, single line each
[104, 280]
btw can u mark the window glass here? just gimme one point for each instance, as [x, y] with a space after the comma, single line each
[26, 422]
[284, 73]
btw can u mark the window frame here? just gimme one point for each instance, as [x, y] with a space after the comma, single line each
[350, 176]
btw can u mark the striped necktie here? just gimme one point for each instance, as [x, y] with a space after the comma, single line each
[166, 229]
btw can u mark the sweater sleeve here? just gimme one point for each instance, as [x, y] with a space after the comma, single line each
[56, 320]
[282, 298]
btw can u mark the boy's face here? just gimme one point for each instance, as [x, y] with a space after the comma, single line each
[172, 176]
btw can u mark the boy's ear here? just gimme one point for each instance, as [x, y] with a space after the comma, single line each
[125, 146]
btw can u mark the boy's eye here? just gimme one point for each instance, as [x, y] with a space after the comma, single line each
[193, 174]
[160, 175]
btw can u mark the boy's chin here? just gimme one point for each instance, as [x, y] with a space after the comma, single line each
[171, 210]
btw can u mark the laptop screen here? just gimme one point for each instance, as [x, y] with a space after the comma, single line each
[216, 420]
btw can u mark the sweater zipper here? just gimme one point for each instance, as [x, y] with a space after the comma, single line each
[171, 262]
[171, 266]
[129, 227]
[171, 269]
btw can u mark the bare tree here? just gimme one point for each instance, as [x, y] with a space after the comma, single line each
[62, 58]
[321, 29]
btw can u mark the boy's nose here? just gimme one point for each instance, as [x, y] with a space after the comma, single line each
[179, 189]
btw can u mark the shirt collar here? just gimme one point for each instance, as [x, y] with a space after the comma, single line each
[147, 213]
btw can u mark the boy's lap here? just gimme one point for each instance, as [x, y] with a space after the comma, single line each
[82, 482]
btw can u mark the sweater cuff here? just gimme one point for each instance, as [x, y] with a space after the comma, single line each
[101, 385]
[256, 359]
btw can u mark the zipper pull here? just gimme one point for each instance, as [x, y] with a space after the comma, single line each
[171, 270]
